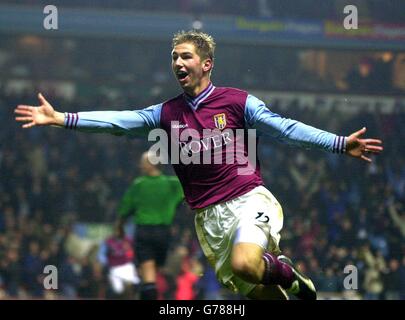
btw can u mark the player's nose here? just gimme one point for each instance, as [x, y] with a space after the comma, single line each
[178, 63]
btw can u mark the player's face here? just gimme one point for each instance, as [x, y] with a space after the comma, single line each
[188, 67]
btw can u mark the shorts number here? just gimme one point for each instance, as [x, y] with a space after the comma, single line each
[262, 217]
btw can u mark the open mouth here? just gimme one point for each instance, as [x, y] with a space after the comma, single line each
[181, 74]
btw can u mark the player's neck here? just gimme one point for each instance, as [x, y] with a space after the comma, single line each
[194, 92]
[154, 173]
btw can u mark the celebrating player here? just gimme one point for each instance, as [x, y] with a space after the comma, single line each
[237, 219]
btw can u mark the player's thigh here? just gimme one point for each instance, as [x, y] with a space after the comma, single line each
[117, 284]
[260, 219]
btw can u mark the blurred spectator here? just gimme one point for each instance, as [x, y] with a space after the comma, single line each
[187, 279]
[117, 254]
[360, 78]
[396, 212]
[392, 280]
[383, 71]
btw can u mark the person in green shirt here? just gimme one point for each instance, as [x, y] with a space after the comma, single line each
[152, 200]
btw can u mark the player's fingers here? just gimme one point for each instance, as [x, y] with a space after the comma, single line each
[372, 141]
[28, 125]
[24, 107]
[360, 132]
[23, 112]
[23, 118]
[42, 99]
[365, 158]
[371, 148]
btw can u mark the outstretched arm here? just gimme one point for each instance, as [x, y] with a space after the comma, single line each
[131, 122]
[43, 115]
[258, 116]
[358, 148]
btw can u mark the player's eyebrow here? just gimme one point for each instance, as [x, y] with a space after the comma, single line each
[181, 53]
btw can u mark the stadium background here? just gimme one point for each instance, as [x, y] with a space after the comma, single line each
[59, 189]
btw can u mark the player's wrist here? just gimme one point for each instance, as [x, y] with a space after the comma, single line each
[59, 118]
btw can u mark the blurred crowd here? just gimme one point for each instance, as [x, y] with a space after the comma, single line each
[338, 211]
[392, 11]
[83, 68]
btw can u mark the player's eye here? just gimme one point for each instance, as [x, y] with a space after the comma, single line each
[187, 56]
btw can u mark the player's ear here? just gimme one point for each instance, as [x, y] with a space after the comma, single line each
[208, 65]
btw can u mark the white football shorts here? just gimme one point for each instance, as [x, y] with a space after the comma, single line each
[120, 275]
[255, 217]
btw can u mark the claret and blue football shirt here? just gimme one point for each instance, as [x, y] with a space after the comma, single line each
[223, 113]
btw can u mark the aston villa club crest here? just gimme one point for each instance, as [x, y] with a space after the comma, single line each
[220, 121]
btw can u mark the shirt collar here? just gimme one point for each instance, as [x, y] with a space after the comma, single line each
[194, 102]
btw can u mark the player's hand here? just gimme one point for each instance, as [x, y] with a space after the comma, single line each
[359, 148]
[42, 115]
